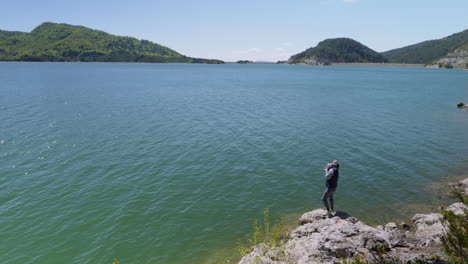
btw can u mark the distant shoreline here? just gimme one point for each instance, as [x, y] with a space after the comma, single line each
[403, 65]
[381, 65]
[354, 64]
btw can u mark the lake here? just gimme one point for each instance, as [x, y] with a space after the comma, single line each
[170, 163]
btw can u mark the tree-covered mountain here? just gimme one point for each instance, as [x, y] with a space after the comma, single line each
[6, 34]
[337, 50]
[428, 51]
[62, 42]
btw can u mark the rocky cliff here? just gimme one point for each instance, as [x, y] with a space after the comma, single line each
[323, 239]
[457, 58]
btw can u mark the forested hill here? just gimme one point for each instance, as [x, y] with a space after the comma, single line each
[6, 34]
[62, 42]
[428, 51]
[338, 50]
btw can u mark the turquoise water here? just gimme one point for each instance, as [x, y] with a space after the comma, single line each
[170, 163]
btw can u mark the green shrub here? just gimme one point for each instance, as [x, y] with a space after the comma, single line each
[448, 66]
[381, 256]
[378, 256]
[269, 236]
[455, 239]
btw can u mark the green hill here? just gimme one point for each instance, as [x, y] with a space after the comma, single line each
[428, 51]
[337, 50]
[6, 34]
[62, 42]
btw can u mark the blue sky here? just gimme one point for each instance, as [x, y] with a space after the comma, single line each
[256, 29]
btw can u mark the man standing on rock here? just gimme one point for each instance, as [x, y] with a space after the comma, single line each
[331, 175]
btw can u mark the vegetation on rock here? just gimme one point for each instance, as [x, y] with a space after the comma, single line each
[455, 239]
[270, 236]
[380, 256]
[62, 42]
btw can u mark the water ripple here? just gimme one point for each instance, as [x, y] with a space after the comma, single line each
[166, 163]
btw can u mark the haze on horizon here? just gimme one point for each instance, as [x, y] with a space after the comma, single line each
[254, 30]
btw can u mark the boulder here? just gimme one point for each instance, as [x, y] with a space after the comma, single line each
[320, 238]
[428, 227]
[462, 186]
[390, 226]
[457, 208]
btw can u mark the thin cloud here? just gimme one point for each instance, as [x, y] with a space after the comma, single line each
[280, 54]
[248, 51]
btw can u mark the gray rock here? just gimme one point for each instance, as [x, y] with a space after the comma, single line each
[390, 226]
[457, 208]
[375, 240]
[427, 219]
[313, 216]
[457, 58]
[395, 238]
[463, 185]
[404, 226]
[353, 220]
[428, 227]
[323, 239]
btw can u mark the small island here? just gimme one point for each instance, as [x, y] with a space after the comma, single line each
[244, 62]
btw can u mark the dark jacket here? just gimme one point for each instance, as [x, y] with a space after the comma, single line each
[332, 176]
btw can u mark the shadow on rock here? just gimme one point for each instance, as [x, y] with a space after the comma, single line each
[342, 215]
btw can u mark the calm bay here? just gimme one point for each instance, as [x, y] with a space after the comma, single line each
[170, 163]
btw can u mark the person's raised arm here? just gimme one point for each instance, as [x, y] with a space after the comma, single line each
[329, 174]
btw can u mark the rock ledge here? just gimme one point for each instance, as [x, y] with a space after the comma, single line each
[323, 239]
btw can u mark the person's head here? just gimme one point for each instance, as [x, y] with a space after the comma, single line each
[335, 164]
